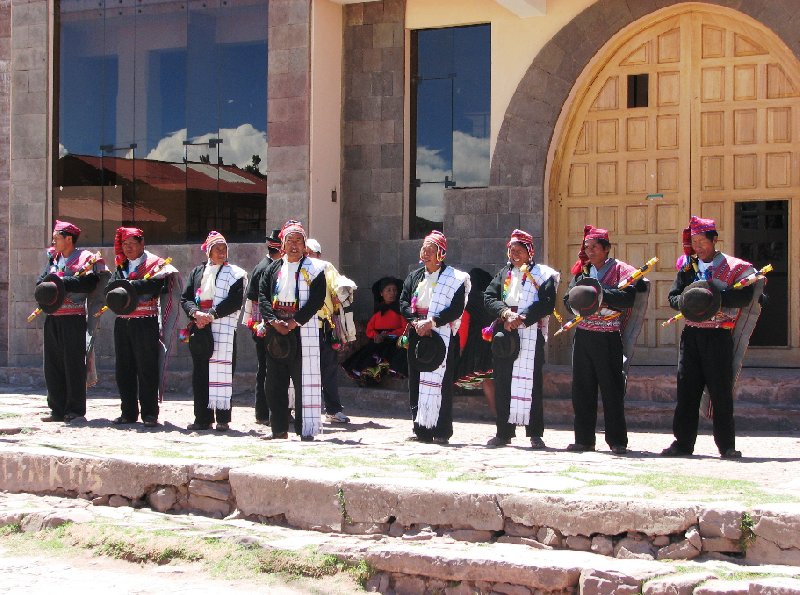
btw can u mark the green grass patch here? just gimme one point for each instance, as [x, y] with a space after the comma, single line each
[9, 415]
[220, 558]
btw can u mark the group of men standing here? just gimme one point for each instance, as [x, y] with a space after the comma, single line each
[608, 298]
[293, 295]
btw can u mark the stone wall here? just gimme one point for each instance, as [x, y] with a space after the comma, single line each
[372, 243]
[5, 130]
[288, 129]
[318, 500]
[28, 213]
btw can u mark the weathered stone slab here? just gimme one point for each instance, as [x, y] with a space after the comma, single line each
[775, 586]
[209, 505]
[589, 516]
[779, 524]
[764, 551]
[307, 497]
[211, 472]
[676, 584]
[211, 489]
[721, 587]
[721, 521]
[44, 472]
[419, 503]
[609, 582]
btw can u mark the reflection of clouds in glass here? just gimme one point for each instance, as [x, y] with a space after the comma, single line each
[470, 168]
[238, 148]
[62, 151]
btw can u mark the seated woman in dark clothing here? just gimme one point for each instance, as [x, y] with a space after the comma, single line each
[474, 370]
[381, 356]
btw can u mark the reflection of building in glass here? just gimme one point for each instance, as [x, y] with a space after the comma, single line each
[170, 200]
[161, 81]
[450, 117]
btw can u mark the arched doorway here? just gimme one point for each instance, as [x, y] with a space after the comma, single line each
[691, 110]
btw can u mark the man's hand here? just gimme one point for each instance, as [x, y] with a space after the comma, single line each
[203, 319]
[281, 327]
[513, 321]
[423, 327]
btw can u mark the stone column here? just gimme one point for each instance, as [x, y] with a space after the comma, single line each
[5, 104]
[28, 208]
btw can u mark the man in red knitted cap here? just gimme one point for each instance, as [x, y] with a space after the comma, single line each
[290, 293]
[432, 301]
[521, 296]
[134, 294]
[69, 278]
[707, 276]
[598, 358]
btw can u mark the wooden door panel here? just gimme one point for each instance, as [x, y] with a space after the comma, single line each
[720, 126]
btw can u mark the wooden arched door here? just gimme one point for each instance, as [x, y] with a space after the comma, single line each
[693, 110]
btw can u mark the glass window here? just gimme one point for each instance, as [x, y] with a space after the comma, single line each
[162, 118]
[451, 84]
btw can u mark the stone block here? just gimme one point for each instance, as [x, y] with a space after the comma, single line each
[210, 506]
[549, 537]
[765, 551]
[682, 550]
[211, 472]
[775, 586]
[410, 504]
[294, 133]
[162, 499]
[288, 12]
[409, 585]
[600, 582]
[117, 501]
[676, 584]
[507, 589]
[471, 535]
[603, 545]
[516, 529]
[722, 587]
[721, 521]
[720, 544]
[284, 37]
[211, 489]
[590, 516]
[270, 491]
[29, 132]
[291, 84]
[633, 548]
[779, 524]
[578, 543]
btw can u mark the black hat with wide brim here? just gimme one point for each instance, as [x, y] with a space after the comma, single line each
[425, 354]
[50, 293]
[586, 297]
[699, 301]
[281, 347]
[505, 344]
[121, 296]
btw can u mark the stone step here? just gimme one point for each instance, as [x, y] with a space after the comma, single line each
[426, 561]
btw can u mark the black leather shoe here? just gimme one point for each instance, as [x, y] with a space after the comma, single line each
[52, 418]
[281, 436]
[578, 447]
[537, 443]
[498, 442]
[440, 440]
[675, 451]
[150, 422]
[198, 427]
[618, 449]
[731, 453]
[306, 438]
[122, 421]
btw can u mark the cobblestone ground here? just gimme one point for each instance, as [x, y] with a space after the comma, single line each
[373, 445]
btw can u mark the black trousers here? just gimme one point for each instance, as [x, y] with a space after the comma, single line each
[279, 372]
[136, 344]
[262, 408]
[444, 425]
[706, 359]
[202, 414]
[329, 370]
[597, 362]
[502, 372]
[65, 364]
